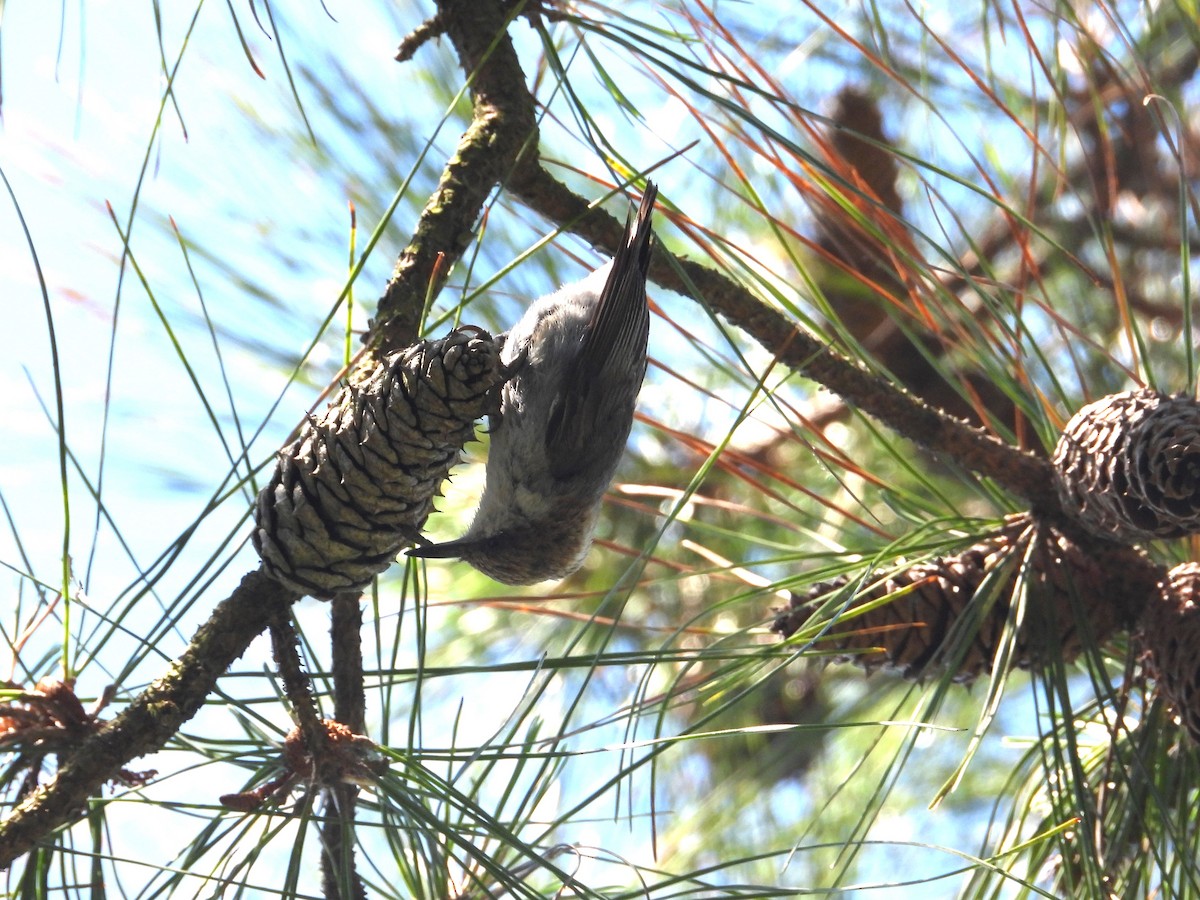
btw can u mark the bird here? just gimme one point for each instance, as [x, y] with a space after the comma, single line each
[577, 358]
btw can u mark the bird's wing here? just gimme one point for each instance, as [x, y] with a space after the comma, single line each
[611, 359]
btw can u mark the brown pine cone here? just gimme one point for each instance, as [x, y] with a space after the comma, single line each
[935, 621]
[1128, 466]
[1171, 635]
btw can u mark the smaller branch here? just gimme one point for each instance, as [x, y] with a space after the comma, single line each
[433, 27]
[345, 629]
[297, 687]
[1134, 575]
[339, 873]
[338, 867]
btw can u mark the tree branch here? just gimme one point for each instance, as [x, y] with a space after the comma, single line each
[503, 134]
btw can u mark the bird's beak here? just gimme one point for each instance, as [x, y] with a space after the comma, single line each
[446, 550]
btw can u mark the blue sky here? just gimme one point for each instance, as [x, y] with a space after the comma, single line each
[77, 127]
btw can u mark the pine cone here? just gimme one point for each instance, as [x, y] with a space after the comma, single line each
[359, 482]
[1171, 636]
[926, 626]
[1128, 466]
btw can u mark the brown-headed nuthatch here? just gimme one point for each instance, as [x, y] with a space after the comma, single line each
[578, 358]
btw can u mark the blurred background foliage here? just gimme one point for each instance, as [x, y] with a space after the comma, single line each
[991, 204]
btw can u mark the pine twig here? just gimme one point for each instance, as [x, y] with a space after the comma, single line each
[349, 707]
[431, 28]
[345, 630]
[502, 136]
[297, 686]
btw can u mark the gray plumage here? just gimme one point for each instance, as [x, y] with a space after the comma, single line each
[578, 357]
